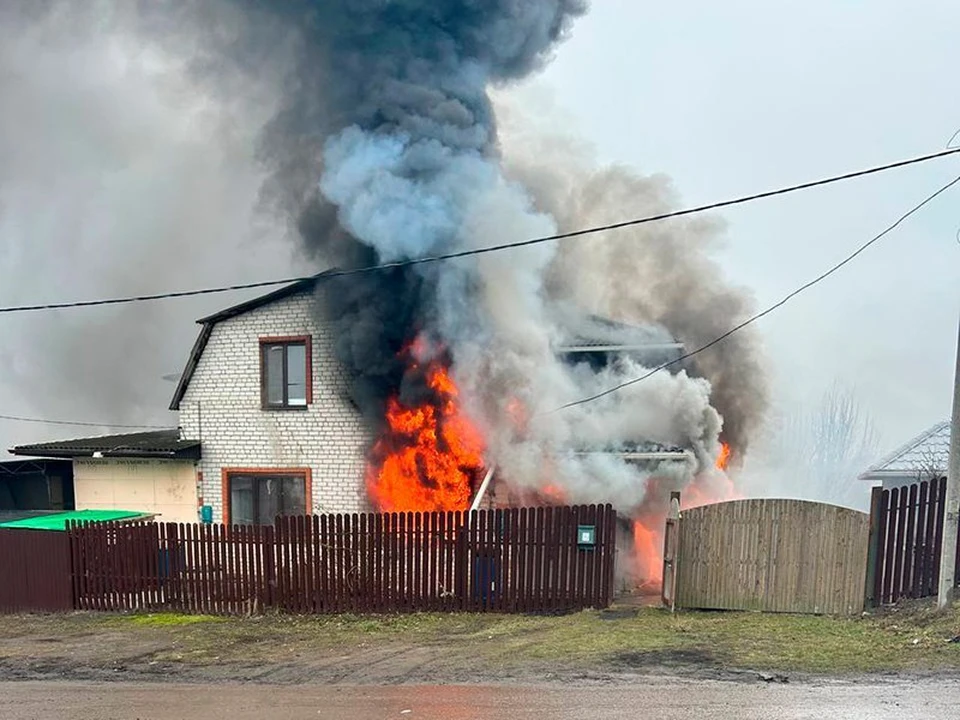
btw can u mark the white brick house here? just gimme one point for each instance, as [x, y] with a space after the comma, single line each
[268, 402]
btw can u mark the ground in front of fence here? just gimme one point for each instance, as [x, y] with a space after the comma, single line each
[605, 645]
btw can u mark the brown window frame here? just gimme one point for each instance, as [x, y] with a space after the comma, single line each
[306, 474]
[286, 340]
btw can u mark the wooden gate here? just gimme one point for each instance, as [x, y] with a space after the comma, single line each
[772, 555]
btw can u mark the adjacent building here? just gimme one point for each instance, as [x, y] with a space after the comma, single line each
[151, 472]
[924, 457]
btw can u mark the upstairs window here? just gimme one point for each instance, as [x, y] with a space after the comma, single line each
[285, 373]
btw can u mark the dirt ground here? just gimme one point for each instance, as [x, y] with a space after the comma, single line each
[607, 648]
[664, 698]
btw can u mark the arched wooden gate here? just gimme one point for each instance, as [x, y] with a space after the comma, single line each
[769, 555]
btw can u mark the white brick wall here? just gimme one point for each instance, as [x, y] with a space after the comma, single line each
[221, 408]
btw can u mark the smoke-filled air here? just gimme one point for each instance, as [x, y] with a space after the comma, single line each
[383, 146]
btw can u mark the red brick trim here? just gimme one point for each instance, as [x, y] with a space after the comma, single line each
[307, 340]
[225, 474]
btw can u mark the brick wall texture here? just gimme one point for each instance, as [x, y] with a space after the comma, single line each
[222, 408]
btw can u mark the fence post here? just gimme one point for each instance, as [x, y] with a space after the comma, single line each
[671, 537]
[873, 549]
[268, 548]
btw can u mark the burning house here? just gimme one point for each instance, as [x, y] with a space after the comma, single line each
[399, 388]
[270, 404]
[401, 384]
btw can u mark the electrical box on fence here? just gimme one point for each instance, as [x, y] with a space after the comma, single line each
[586, 537]
[206, 514]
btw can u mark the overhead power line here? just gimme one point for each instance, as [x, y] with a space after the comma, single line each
[764, 313]
[118, 426]
[489, 249]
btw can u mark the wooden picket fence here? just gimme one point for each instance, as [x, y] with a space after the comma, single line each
[34, 571]
[906, 534]
[516, 560]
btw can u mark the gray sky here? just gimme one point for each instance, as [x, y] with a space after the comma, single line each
[726, 98]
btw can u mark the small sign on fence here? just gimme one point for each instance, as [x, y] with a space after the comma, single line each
[586, 536]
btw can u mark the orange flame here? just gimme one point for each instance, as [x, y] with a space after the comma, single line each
[723, 459]
[648, 534]
[648, 554]
[429, 456]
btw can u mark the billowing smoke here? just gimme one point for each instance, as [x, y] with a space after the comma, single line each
[659, 273]
[387, 149]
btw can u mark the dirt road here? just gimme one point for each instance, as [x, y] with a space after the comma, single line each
[667, 699]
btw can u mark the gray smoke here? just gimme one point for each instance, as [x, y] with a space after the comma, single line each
[119, 174]
[658, 273]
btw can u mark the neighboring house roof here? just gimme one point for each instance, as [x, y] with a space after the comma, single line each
[233, 311]
[928, 452]
[599, 334]
[160, 444]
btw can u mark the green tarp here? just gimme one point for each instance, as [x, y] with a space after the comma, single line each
[58, 521]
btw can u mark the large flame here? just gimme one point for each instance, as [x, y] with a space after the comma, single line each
[648, 533]
[429, 456]
[648, 555]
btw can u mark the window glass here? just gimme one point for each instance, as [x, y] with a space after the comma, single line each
[259, 499]
[273, 366]
[294, 500]
[296, 374]
[242, 501]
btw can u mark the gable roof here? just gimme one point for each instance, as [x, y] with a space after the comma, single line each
[208, 323]
[928, 450]
[160, 444]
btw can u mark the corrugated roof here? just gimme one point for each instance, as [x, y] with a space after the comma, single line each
[926, 452]
[162, 444]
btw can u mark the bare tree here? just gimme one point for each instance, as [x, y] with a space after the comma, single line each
[932, 466]
[824, 450]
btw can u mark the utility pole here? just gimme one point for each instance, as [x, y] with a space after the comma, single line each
[948, 551]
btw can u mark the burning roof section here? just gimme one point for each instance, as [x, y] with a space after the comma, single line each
[927, 453]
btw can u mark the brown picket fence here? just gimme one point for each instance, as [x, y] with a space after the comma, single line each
[906, 533]
[34, 571]
[515, 560]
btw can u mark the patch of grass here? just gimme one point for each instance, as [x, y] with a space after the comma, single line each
[165, 620]
[913, 637]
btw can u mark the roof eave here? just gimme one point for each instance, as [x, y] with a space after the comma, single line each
[192, 453]
[198, 347]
